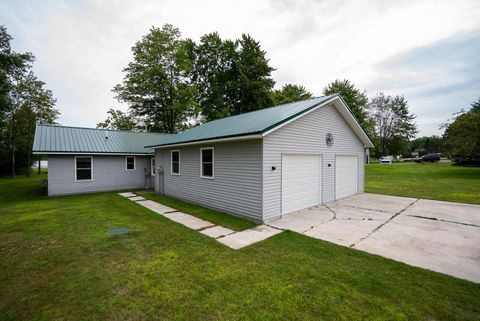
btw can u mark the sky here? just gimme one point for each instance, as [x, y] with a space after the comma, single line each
[428, 51]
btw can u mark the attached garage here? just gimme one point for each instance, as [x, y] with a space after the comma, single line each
[346, 171]
[301, 181]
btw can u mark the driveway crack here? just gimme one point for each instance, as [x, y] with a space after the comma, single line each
[384, 223]
[366, 208]
[440, 220]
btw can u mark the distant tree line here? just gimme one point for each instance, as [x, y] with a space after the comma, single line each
[24, 102]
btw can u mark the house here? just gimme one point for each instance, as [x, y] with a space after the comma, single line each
[259, 165]
[85, 160]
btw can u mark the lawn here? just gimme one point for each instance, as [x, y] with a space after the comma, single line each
[58, 263]
[438, 181]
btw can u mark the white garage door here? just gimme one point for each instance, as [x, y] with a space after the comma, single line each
[301, 182]
[346, 170]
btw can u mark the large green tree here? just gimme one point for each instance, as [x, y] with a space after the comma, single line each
[290, 93]
[394, 124]
[35, 104]
[24, 102]
[255, 82]
[215, 75]
[156, 85]
[119, 120]
[231, 77]
[462, 135]
[355, 99]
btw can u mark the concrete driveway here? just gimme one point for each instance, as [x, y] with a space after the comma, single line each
[440, 236]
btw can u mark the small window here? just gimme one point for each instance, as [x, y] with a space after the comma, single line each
[83, 168]
[152, 166]
[207, 162]
[175, 162]
[130, 163]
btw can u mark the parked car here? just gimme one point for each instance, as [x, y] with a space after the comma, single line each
[386, 160]
[428, 158]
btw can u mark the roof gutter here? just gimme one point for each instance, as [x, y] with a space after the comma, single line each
[89, 153]
[211, 140]
[250, 135]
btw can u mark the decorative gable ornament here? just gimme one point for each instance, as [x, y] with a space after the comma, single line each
[329, 139]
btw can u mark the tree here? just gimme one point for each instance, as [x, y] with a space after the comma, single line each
[355, 99]
[215, 75]
[36, 105]
[427, 144]
[393, 122]
[231, 77]
[23, 103]
[255, 82]
[156, 85]
[462, 135]
[290, 93]
[118, 120]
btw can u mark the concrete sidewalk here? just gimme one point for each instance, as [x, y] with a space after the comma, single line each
[228, 237]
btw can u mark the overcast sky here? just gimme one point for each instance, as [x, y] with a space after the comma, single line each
[428, 51]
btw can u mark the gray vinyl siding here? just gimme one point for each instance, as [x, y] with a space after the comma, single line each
[307, 135]
[109, 174]
[237, 184]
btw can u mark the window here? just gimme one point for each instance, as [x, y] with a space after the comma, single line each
[207, 162]
[83, 168]
[152, 166]
[175, 162]
[130, 163]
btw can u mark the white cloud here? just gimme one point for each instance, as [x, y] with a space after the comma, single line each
[81, 47]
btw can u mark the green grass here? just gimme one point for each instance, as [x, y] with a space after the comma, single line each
[438, 181]
[57, 263]
[232, 222]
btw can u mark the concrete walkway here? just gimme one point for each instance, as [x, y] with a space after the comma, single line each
[440, 236]
[226, 236]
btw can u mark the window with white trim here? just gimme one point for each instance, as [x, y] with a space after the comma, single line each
[83, 168]
[207, 162]
[130, 163]
[152, 166]
[175, 165]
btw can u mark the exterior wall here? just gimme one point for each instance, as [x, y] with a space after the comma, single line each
[307, 135]
[237, 184]
[108, 174]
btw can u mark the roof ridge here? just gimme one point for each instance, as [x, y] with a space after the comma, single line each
[268, 108]
[102, 129]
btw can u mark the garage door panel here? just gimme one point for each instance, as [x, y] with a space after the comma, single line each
[301, 182]
[346, 171]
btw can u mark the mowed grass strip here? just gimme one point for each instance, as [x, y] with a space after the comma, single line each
[437, 181]
[58, 263]
[218, 218]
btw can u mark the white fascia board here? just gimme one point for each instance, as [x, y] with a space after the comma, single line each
[352, 121]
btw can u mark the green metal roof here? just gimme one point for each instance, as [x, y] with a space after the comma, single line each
[256, 122]
[63, 139]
